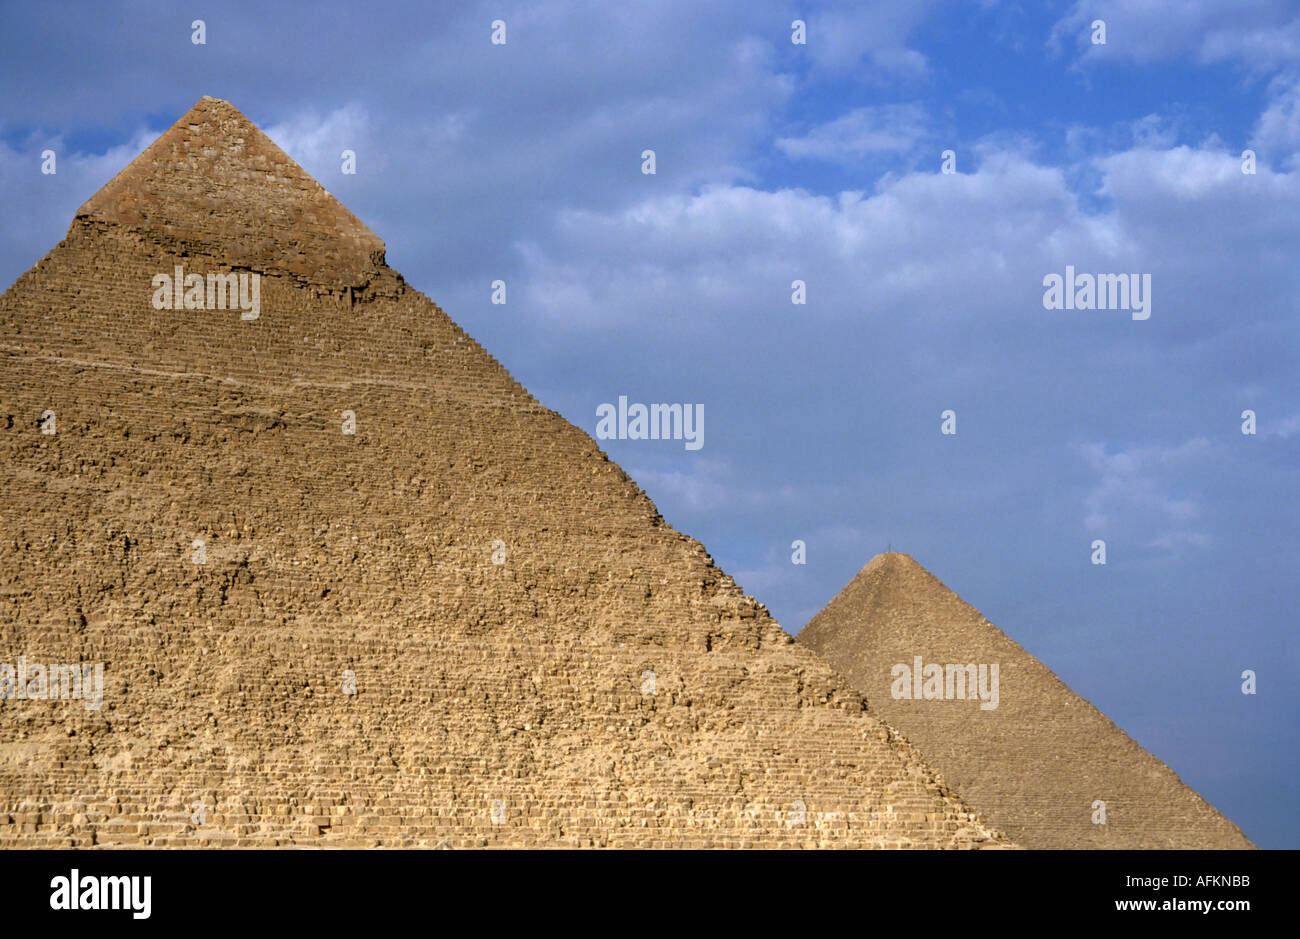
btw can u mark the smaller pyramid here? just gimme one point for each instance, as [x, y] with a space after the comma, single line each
[1038, 764]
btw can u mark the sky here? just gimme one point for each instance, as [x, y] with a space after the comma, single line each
[822, 162]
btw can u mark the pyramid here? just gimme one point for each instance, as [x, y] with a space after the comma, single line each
[1036, 759]
[349, 584]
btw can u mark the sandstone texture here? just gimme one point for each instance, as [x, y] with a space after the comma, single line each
[537, 658]
[1036, 764]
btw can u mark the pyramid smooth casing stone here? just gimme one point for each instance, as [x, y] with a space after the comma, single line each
[427, 624]
[1038, 763]
[213, 180]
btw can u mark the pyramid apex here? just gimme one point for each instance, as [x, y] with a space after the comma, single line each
[893, 561]
[215, 184]
[208, 101]
[892, 557]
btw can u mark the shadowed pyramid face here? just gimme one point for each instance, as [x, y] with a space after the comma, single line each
[1040, 762]
[350, 584]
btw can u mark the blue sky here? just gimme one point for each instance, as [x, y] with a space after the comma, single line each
[820, 162]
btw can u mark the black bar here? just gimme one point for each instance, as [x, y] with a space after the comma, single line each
[649, 893]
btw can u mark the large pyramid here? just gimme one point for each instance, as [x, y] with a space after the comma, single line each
[1038, 763]
[457, 624]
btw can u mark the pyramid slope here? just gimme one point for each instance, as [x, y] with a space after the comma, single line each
[1035, 764]
[605, 684]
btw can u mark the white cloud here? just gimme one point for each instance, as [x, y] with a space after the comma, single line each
[913, 248]
[316, 142]
[883, 128]
[1284, 427]
[706, 484]
[1180, 173]
[1135, 496]
[1258, 34]
[868, 37]
[1277, 132]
